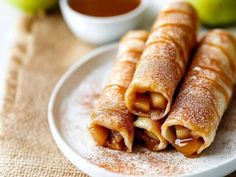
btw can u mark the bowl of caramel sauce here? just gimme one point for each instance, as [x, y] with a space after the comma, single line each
[102, 21]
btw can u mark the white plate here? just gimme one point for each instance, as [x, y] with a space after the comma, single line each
[69, 108]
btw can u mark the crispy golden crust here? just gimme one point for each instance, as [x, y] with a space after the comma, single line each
[206, 91]
[111, 113]
[165, 57]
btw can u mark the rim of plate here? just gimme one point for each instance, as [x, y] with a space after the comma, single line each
[67, 150]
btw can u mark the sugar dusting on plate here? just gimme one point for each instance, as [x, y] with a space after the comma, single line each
[75, 116]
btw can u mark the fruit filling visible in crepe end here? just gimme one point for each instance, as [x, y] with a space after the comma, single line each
[149, 102]
[185, 142]
[99, 133]
[149, 132]
[116, 141]
[108, 138]
[150, 140]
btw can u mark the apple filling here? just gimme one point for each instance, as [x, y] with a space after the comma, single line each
[150, 102]
[108, 138]
[185, 142]
[150, 140]
[115, 141]
[147, 130]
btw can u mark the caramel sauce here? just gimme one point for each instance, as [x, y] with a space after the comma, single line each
[215, 84]
[99, 134]
[178, 25]
[116, 141]
[188, 146]
[142, 102]
[223, 76]
[225, 53]
[103, 8]
[179, 11]
[150, 143]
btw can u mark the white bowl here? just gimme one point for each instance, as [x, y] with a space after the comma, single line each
[99, 30]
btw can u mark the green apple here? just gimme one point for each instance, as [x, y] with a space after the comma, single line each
[215, 12]
[33, 5]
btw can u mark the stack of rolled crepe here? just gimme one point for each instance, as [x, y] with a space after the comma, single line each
[204, 95]
[161, 67]
[145, 78]
[112, 124]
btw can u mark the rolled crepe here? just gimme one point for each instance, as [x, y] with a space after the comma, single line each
[149, 131]
[204, 95]
[111, 122]
[163, 61]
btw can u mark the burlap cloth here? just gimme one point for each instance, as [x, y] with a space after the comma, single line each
[44, 49]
